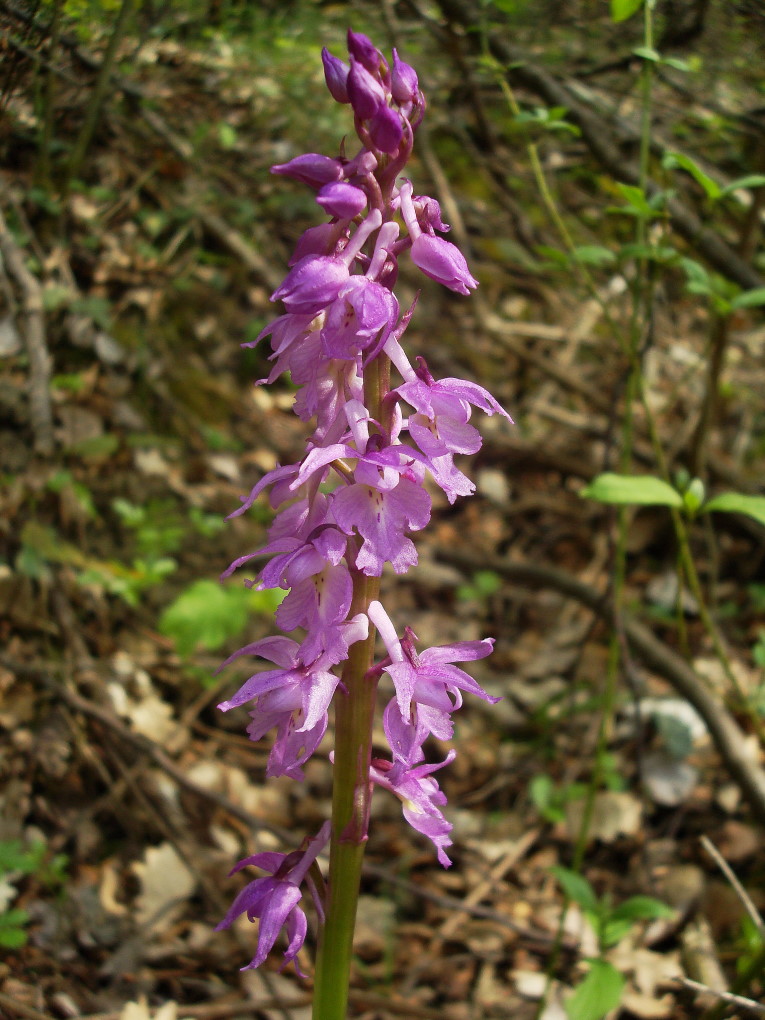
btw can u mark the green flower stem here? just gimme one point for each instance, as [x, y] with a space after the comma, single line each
[351, 789]
[354, 713]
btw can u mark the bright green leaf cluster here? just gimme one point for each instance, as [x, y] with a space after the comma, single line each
[207, 614]
[647, 490]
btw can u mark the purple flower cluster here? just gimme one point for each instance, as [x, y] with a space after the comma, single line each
[359, 492]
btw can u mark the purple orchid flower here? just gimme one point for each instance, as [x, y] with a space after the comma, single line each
[430, 677]
[274, 900]
[352, 501]
[421, 799]
[361, 48]
[295, 698]
[403, 83]
[360, 312]
[386, 129]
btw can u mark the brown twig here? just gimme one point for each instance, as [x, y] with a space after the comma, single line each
[725, 732]
[149, 748]
[726, 998]
[743, 895]
[40, 410]
[202, 1011]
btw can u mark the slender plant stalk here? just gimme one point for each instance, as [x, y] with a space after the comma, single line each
[641, 298]
[718, 344]
[351, 787]
[99, 93]
[354, 712]
[48, 102]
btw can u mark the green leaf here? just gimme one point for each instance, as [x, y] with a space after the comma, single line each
[639, 490]
[677, 63]
[12, 934]
[207, 614]
[620, 921]
[662, 254]
[750, 181]
[598, 994]
[635, 198]
[641, 908]
[675, 734]
[226, 136]
[542, 793]
[577, 888]
[623, 9]
[738, 503]
[647, 53]
[693, 496]
[97, 308]
[677, 160]
[95, 448]
[13, 857]
[55, 296]
[696, 273]
[613, 930]
[749, 298]
[592, 255]
[46, 543]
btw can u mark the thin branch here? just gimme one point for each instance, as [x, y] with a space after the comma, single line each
[738, 888]
[727, 736]
[749, 1005]
[40, 410]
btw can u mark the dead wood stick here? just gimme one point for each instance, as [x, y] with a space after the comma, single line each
[160, 759]
[21, 1009]
[40, 411]
[743, 895]
[726, 734]
[238, 246]
[509, 860]
[202, 1011]
[217, 1011]
[727, 998]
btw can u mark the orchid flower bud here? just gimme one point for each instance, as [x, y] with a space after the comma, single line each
[315, 241]
[428, 213]
[444, 262]
[362, 49]
[311, 168]
[364, 91]
[342, 200]
[385, 129]
[336, 76]
[403, 82]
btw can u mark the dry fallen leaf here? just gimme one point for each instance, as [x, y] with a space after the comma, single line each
[614, 814]
[166, 883]
[140, 1011]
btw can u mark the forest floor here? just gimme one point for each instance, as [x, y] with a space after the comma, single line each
[126, 796]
